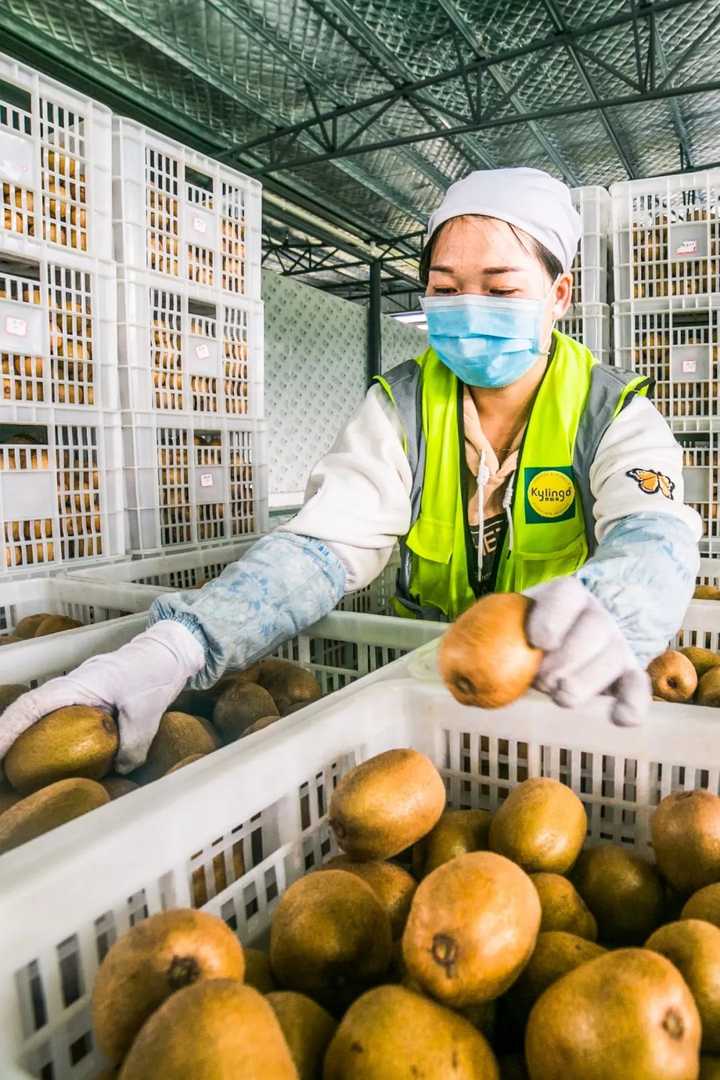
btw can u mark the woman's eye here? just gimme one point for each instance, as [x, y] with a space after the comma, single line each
[444, 290]
[503, 292]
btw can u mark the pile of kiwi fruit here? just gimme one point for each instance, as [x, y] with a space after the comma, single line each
[63, 765]
[441, 943]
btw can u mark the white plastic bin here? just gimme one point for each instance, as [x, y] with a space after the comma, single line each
[666, 238]
[590, 267]
[193, 482]
[58, 338]
[590, 324]
[188, 355]
[189, 569]
[61, 497]
[184, 215]
[701, 466]
[241, 825]
[679, 349]
[55, 153]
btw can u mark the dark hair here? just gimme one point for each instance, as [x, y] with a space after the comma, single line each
[549, 262]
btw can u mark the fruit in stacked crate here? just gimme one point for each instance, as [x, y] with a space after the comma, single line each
[393, 886]
[484, 657]
[541, 826]
[673, 676]
[706, 592]
[708, 691]
[456, 833]
[288, 684]
[625, 1014]
[218, 1028]
[240, 706]
[556, 953]
[693, 946]
[54, 624]
[330, 938]
[622, 890]
[258, 972]
[392, 1033]
[178, 736]
[704, 904]
[77, 741]
[189, 760]
[386, 804]
[153, 961]
[307, 1027]
[686, 839]
[48, 808]
[472, 927]
[563, 909]
[10, 692]
[117, 786]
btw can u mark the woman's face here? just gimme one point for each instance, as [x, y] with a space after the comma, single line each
[482, 255]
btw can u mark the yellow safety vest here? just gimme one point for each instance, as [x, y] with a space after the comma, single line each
[551, 526]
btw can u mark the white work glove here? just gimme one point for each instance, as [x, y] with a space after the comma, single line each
[135, 684]
[585, 651]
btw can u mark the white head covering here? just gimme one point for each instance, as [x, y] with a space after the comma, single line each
[529, 198]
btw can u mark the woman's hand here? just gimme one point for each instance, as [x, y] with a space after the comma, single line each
[585, 651]
[136, 684]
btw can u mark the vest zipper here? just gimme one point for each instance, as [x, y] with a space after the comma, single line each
[483, 475]
[507, 507]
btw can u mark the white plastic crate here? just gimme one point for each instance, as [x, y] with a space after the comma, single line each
[239, 826]
[190, 483]
[701, 467]
[61, 497]
[188, 355]
[189, 569]
[666, 238]
[87, 602]
[709, 572]
[184, 215]
[55, 153]
[590, 324]
[590, 266]
[679, 349]
[58, 340]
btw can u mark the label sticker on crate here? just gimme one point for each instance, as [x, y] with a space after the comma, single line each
[199, 225]
[16, 327]
[202, 352]
[687, 247]
[16, 158]
[689, 367]
[206, 480]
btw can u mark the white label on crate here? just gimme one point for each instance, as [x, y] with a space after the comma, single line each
[202, 352]
[206, 479]
[687, 247]
[16, 327]
[199, 225]
[689, 367]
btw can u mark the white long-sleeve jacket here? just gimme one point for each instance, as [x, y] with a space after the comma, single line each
[358, 495]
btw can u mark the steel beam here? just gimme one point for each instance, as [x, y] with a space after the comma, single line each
[374, 323]
[476, 66]
[709, 86]
[589, 85]
[458, 22]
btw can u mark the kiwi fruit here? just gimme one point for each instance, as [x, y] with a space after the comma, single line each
[485, 658]
[179, 735]
[117, 786]
[239, 707]
[77, 741]
[673, 676]
[48, 808]
[154, 959]
[27, 627]
[54, 624]
[9, 693]
[386, 804]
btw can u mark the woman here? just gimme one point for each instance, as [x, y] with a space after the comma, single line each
[504, 458]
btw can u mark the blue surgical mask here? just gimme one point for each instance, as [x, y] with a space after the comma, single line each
[487, 341]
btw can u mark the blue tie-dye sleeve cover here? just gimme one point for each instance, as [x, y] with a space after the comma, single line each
[283, 584]
[643, 572]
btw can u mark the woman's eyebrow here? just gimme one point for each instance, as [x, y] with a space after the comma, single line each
[485, 269]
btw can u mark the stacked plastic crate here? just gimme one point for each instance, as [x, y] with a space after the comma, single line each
[666, 239]
[588, 319]
[190, 338]
[60, 442]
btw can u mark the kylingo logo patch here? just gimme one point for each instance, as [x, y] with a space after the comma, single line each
[549, 495]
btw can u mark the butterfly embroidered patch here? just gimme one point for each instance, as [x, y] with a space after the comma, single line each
[650, 482]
